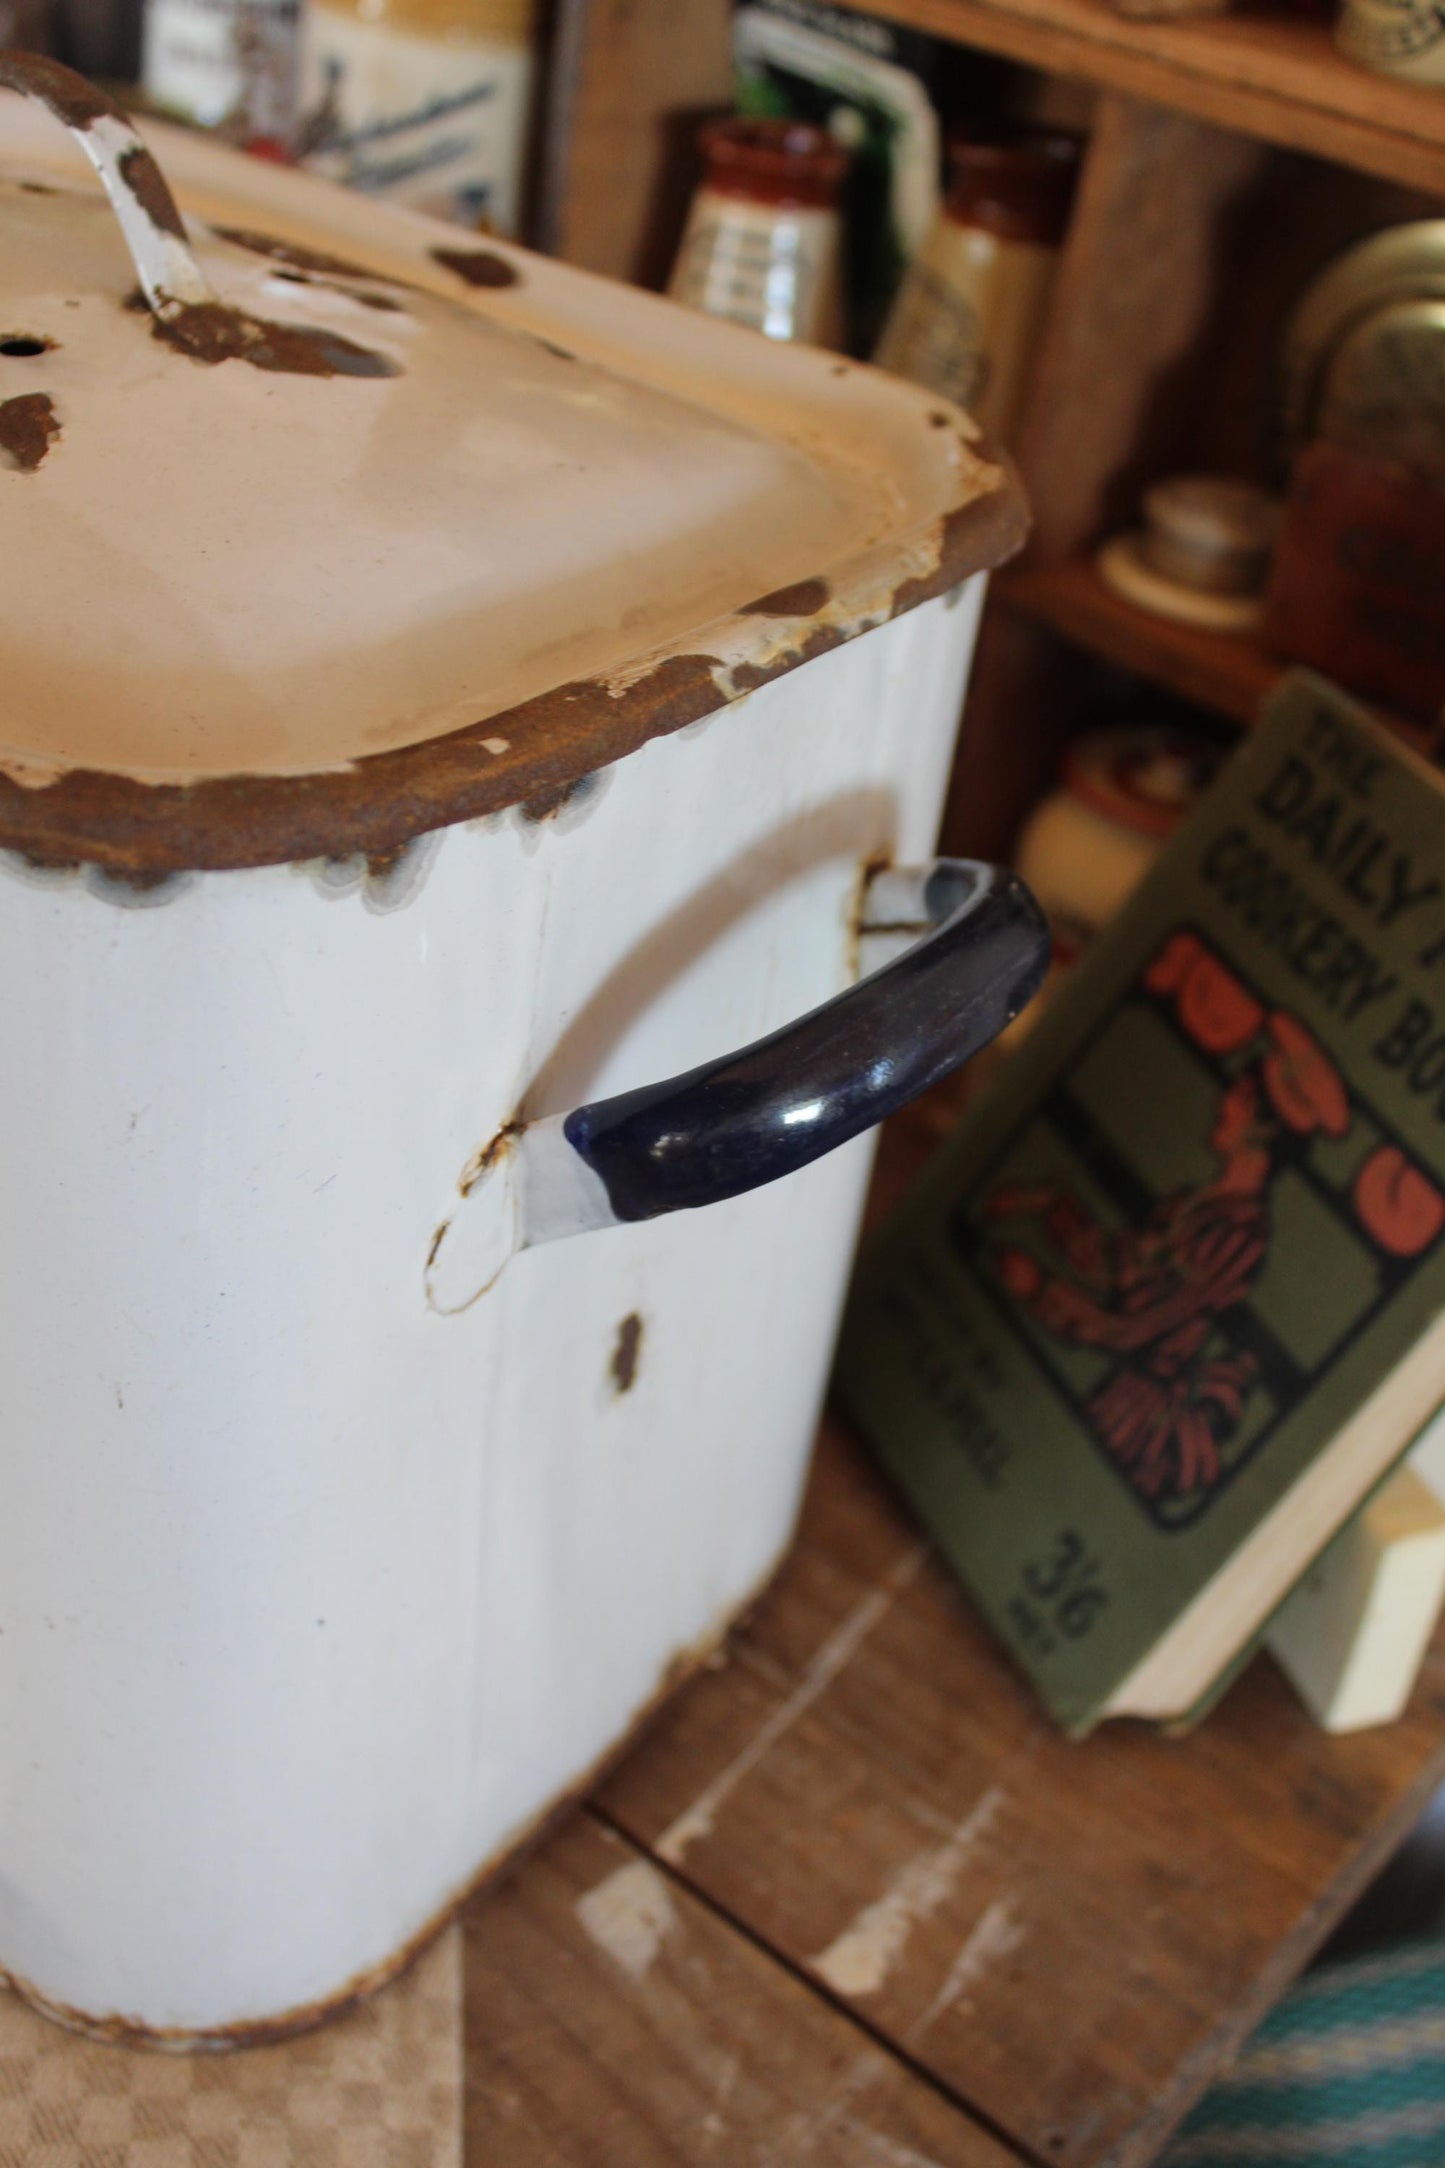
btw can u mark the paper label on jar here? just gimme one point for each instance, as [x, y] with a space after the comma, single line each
[202, 59]
[436, 124]
[967, 318]
[770, 266]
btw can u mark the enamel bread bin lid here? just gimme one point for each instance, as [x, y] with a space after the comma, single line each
[325, 525]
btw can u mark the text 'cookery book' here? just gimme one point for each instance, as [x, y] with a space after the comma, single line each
[1170, 1303]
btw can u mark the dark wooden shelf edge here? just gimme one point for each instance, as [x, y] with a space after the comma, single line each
[1231, 674]
[1278, 80]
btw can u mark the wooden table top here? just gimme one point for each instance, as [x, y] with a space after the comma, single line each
[854, 1902]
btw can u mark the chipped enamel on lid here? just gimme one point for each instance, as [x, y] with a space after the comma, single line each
[219, 571]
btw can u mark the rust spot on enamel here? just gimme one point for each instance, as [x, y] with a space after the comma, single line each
[803, 599]
[70, 98]
[381, 863]
[547, 804]
[146, 182]
[482, 1162]
[748, 676]
[210, 332]
[623, 1367]
[478, 266]
[987, 530]
[28, 428]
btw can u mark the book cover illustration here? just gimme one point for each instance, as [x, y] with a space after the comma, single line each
[1198, 1222]
[1141, 1307]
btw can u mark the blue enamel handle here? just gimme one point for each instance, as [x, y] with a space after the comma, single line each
[978, 949]
[753, 1116]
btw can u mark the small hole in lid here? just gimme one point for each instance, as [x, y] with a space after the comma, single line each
[23, 345]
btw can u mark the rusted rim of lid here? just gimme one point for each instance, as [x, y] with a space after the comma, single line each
[376, 803]
[536, 751]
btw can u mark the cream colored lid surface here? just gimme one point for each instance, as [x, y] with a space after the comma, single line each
[218, 570]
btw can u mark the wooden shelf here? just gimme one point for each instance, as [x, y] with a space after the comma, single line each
[1230, 673]
[1279, 80]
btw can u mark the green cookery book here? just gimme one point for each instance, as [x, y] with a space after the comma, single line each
[1170, 1303]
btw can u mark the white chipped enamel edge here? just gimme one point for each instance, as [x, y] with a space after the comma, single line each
[863, 598]
[169, 274]
[892, 915]
[895, 896]
[167, 270]
[529, 1186]
[561, 1195]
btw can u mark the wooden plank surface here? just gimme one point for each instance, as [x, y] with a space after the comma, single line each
[1070, 1939]
[1054, 1942]
[1277, 78]
[854, 1901]
[613, 2021]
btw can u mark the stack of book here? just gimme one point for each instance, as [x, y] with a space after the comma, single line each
[1147, 1345]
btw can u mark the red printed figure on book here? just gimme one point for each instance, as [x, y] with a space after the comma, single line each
[1152, 1294]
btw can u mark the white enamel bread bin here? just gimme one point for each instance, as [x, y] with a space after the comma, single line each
[444, 696]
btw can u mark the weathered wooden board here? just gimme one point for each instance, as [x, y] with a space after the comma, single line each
[1109, 407]
[1069, 1938]
[629, 81]
[613, 2021]
[1139, 281]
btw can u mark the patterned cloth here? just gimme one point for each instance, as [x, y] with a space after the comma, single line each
[1348, 2072]
[379, 2088]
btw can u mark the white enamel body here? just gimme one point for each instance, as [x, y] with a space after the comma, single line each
[319, 1580]
[312, 1599]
